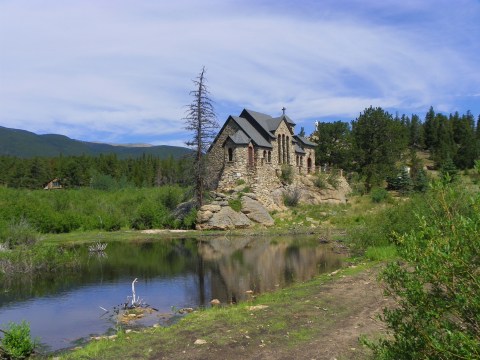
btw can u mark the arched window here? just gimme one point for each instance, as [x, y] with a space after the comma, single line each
[230, 154]
[250, 156]
[309, 164]
[288, 149]
[279, 141]
[269, 156]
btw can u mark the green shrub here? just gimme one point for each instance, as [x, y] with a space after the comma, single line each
[170, 196]
[334, 179]
[420, 181]
[291, 197]
[100, 181]
[19, 233]
[320, 181]
[402, 182]
[448, 171]
[190, 220]
[85, 209]
[438, 312]
[378, 195]
[381, 253]
[47, 258]
[235, 204]
[380, 228]
[17, 342]
[239, 182]
[152, 215]
[476, 172]
[357, 183]
[286, 174]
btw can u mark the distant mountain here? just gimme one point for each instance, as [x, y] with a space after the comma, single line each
[26, 144]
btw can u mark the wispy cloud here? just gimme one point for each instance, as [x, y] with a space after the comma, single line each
[122, 71]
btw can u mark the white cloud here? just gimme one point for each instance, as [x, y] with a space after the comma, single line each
[123, 70]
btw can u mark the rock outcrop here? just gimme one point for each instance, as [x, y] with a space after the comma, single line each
[256, 203]
[220, 216]
[216, 217]
[255, 211]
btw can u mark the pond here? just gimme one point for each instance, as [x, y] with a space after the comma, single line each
[65, 310]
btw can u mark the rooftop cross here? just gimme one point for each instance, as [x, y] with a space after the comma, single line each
[283, 110]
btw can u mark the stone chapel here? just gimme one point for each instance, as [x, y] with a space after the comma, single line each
[253, 147]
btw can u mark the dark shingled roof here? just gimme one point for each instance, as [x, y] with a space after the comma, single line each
[288, 120]
[251, 132]
[259, 128]
[260, 119]
[240, 138]
[298, 149]
[257, 115]
[268, 123]
[272, 124]
[304, 141]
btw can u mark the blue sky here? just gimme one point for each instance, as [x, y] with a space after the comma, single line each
[120, 71]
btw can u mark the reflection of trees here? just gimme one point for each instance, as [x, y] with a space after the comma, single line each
[244, 264]
[220, 268]
[201, 277]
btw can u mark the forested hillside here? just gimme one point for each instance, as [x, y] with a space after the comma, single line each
[25, 144]
[103, 172]
[377, 146]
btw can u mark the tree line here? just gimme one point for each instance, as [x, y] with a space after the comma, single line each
[104, 172]
[378, 144]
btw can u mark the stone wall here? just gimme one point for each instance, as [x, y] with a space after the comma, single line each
[235, 170]
[301, 164]
[216, 155]
[285, 153]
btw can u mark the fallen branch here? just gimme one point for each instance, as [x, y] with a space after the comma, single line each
[97, 247]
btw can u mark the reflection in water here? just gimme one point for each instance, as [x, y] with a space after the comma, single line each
[62, 308]
[259, 265]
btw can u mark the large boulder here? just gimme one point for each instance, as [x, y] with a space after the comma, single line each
[204, 216]
[255, 211]
[183, 209]
[211, 207]
[225, 219]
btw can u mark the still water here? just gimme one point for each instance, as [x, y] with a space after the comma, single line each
[64, 310]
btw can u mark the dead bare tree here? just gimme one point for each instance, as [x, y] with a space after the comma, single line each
[201, 120]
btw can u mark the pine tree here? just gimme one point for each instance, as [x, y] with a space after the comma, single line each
[302, 132]
[416, 139]
[202, 122]
[477, 129]
[378, 142]
[464, 135]
[333, 144]
[445, 147]
[448, 171]
[430, 129]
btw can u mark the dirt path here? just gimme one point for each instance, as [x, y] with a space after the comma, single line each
[364, 299]
[325, 324]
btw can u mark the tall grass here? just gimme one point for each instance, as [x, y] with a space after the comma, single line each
[63, 211]
[382, 228]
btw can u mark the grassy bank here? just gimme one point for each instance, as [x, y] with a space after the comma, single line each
[281, 320]
[433, 235]
[28, 217]
[64, 211]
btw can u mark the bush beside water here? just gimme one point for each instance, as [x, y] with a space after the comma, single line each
[17, 342]
[64, 211]
[436, 283]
